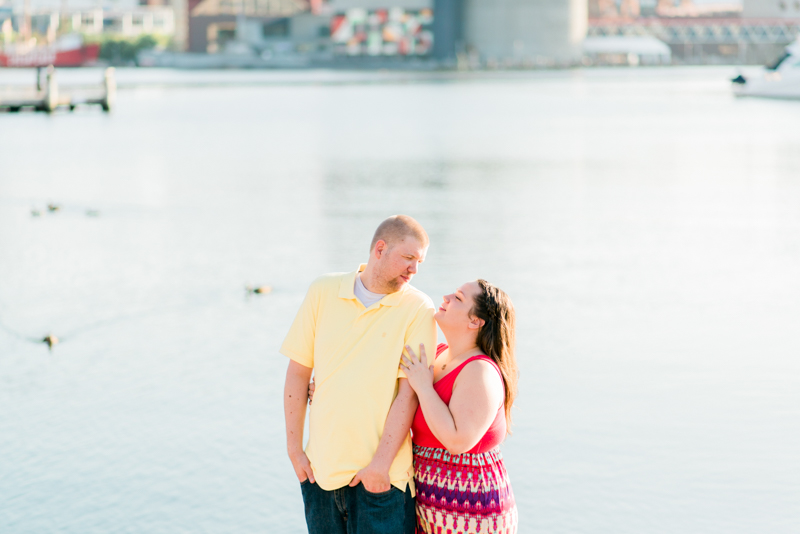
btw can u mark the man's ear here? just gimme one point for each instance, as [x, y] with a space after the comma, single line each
[475, 323]
[380, 248]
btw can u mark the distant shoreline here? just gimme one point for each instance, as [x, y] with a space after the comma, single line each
[169, 78]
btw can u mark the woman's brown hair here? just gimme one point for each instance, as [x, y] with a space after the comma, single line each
[496, 337]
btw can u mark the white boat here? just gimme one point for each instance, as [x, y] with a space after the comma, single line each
[779, 80]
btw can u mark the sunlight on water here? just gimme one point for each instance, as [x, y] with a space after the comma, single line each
[644, 222]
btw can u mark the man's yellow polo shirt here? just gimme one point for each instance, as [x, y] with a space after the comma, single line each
[355, 353]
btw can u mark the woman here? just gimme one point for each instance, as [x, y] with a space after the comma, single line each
[465, 399]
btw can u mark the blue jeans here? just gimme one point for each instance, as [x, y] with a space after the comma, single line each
[356, 511]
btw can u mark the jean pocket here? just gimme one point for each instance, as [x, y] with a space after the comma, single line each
[379, 494]
[305, 482]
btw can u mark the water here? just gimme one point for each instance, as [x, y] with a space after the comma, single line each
[644, 222]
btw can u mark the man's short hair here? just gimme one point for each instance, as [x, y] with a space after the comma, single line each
[396, 228]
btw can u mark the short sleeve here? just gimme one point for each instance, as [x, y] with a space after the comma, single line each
[299, 342]
[421, 330]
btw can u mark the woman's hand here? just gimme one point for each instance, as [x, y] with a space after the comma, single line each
[311, 387]
[374, 480]
[418, 373]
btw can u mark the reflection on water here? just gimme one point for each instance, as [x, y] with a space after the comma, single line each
[644, 222]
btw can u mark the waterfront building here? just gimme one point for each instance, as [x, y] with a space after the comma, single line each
[626, 51]
[496, 32]
[486, 32]
[376, 28]
[772, 9]
[131, 22]
[755, 32]
[217, 25]
[180, 17]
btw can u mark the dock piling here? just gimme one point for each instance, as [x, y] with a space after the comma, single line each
[51, 91]
[110, 86]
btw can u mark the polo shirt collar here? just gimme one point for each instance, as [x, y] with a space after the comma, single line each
[346, 289]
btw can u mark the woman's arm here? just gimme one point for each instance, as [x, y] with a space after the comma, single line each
[477, 395]
[375, 476]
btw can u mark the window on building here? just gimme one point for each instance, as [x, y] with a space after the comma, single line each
[112, 25]
[276, 28]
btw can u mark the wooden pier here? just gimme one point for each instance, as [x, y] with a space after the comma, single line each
[48, 96]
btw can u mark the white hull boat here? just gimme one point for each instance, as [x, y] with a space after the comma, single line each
[780, 80]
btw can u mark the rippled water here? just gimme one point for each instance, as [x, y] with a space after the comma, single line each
[645, 223]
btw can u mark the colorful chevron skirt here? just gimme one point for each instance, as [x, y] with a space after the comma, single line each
[463, 494]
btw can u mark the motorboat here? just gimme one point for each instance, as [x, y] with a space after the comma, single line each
[778, 80]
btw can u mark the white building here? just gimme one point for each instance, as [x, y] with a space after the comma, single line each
[627, 50]
[131, 22]
[771, 9]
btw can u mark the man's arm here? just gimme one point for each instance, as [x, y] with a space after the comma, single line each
[295, 396]
[375, 476]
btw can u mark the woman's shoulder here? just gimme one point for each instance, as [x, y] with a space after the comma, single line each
[480, 376]
[482, 369]
[482, 364]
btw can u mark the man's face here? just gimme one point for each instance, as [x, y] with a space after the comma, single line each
[398, 264]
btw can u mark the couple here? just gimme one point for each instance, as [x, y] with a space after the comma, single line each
[364, 335]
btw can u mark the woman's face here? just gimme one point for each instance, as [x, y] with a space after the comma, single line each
[454, 312]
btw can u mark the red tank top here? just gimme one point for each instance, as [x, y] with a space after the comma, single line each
[420, 433]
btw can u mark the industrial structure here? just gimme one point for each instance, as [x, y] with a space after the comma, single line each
[525, 32]
[754, 32]
[496, 32]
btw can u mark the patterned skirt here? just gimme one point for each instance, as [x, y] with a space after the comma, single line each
[463, 494]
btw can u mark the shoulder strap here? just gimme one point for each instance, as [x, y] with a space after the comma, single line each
[485, 358]
[452, 375]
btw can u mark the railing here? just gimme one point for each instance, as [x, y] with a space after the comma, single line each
[701, 30]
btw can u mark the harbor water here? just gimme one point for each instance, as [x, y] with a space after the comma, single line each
[644, 221]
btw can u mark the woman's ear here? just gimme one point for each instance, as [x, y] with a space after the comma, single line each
[475, 323]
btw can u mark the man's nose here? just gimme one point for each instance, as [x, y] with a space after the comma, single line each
[413, 268]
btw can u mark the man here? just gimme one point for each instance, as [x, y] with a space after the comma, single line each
[356, 472]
